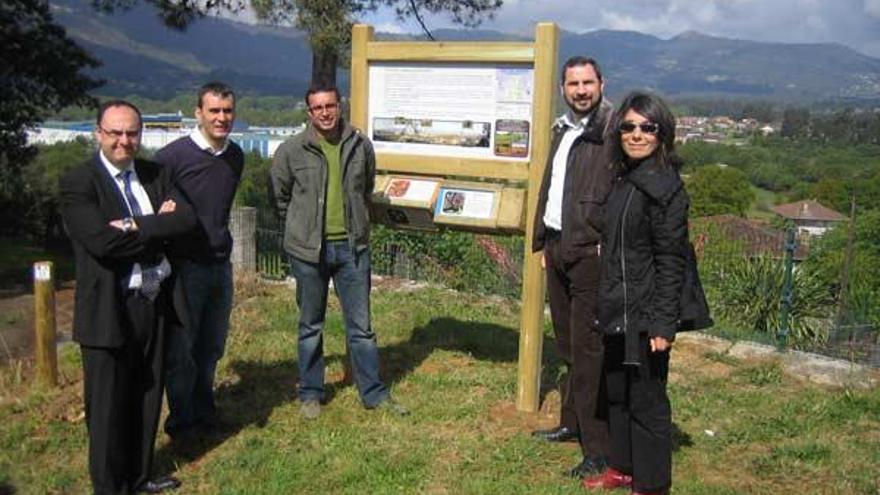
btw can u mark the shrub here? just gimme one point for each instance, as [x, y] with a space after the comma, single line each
[749, 294]
[459, 260]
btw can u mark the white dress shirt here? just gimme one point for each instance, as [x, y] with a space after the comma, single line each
[140, 194]
[553, 210]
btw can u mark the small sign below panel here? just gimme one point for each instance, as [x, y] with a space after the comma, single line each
[467, 207]
[464, 203]
[410, 190]
[405, 202]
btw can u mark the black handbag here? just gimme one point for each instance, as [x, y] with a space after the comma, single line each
[694, 310]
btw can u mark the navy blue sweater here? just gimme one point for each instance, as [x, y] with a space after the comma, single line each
[209, 183]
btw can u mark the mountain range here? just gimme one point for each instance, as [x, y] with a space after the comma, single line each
[142, 56]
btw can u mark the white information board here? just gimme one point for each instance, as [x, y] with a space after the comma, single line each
[472, 110]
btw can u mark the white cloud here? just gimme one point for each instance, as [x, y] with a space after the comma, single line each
[391, 27]
[700, 12]
[851, 22]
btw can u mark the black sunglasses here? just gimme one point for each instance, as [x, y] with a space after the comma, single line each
[645, 127]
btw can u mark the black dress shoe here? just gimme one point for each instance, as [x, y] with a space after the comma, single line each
[589, 466]
[159, 485]
[558, 434]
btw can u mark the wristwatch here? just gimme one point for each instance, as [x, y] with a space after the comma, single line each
[127, 224]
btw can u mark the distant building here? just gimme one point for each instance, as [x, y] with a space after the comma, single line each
[163, 121]
[810, 216]
[720, 129]
[51, 135]
[162, 129]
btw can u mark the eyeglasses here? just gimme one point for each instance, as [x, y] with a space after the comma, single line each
[117, 134]
[328, 107]
[645, 127]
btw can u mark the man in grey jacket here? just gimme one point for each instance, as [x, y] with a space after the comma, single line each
[321, 181]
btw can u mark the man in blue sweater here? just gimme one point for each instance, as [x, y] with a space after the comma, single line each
[206, 167]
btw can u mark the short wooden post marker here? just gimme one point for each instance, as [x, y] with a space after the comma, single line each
[44, 323]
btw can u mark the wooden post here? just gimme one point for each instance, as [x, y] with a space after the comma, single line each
[44, 322]
[531, 321]
[361, 34]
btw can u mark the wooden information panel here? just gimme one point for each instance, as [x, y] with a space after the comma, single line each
[462, 133]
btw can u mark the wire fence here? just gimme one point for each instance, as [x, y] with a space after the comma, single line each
[742, 268]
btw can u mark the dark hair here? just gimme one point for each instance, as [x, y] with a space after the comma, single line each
[321, 88]
[116, 103]
[655, 110]
[578, 61]
[217, 88]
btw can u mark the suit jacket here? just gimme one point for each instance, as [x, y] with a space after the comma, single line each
[105, 255]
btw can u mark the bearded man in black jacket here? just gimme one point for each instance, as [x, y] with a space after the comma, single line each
[567, 228]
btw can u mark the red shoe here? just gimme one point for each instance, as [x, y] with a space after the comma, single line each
[609, 480]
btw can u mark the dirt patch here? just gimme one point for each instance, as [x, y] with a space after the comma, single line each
[67, 404]
[505, 421]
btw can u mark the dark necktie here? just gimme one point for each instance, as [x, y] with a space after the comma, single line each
[151, 279]
[134, 208]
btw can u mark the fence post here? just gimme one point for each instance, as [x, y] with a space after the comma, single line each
[44, 323]
[790, 246]
[843, 293]
[243, 227]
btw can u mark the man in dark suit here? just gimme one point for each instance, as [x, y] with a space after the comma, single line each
[118, 212]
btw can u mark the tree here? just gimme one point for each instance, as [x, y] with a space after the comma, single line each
[39, 213]
[795, 122]
[40, 74]
[717, 190]
[327, 22]
[827, 259]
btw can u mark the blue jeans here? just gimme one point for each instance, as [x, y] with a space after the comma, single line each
[350, 272]
[195, 348]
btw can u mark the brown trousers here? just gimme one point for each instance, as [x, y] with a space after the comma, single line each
[573, 289]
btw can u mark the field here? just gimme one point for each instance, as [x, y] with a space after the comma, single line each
[741, 426]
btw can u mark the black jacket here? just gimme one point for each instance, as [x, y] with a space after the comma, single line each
[644, 249]
[588, 177]
[105, 255]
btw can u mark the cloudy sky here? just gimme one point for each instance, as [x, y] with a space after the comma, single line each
[855, 23]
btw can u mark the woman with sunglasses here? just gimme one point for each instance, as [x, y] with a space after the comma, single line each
[643, 263]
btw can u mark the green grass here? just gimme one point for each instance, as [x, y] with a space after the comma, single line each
[451, 358]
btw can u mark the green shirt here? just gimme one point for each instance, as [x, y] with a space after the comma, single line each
[334, 217]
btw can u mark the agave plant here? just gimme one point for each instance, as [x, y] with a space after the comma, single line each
[748, 292]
